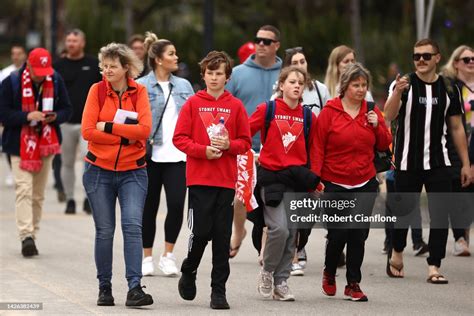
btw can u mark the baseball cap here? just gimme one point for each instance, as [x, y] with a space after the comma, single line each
[40, 62]
[245, 51]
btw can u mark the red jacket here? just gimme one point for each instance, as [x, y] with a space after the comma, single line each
[190, 136]
[345, 146]
[285, 143]
[107, 149]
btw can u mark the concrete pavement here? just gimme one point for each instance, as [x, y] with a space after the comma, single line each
[63, 278]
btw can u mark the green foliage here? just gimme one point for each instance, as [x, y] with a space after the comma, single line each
[388, 27]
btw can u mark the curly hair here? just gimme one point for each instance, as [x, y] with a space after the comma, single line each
[125, 55]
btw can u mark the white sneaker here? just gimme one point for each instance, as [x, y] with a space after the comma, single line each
[296, 270]
[9, 182]
[167, 265]
[461, 248]
[148, 268]
[265, 283]
[283, 293]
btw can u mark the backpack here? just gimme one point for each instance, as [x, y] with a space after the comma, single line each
[102, 89]
[307, 118]
[382, 159]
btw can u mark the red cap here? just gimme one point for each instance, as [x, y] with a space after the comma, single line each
[40, 62]
[245, 51]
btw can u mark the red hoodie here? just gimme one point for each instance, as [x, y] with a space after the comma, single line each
[285, 144]
[190, 136]
[345, 146]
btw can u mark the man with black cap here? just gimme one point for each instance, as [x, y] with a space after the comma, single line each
[33, 102]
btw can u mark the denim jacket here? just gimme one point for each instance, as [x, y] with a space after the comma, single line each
[181, 92]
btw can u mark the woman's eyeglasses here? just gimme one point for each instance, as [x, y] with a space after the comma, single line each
[467, 60]
[266, 41]
[293, 50]
[426, 56]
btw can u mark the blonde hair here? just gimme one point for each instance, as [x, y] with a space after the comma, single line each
[125, 55]
[284, 74]
[155, 48]
[448, 69]
[332, 73]
[353, 72]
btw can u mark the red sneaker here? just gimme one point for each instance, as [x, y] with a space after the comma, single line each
[329, 284]
[354, 293]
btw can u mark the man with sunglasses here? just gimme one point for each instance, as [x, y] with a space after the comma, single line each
[252, 83]
[425, 113]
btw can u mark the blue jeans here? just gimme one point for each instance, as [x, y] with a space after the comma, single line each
[103, 187]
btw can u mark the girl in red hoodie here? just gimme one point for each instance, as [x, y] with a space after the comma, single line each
[284, 151]
[347, 135]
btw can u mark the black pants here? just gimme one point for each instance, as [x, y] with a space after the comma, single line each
[173, 177]
[435, 181]
[415, 224]
[210, 216]
[341, 234]
[457, 223]
[58, 182]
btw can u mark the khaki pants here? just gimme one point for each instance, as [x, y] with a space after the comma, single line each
[29, 190]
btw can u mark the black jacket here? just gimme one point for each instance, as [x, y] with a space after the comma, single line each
[292, 179]
[13, 118]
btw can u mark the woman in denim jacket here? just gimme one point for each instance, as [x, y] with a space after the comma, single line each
[166, 165]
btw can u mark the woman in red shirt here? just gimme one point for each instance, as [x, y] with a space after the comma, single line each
[346, 137]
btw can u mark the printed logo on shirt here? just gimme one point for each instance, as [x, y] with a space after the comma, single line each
[424, 101]
[86, 68]
[210, 121]
[289, 134]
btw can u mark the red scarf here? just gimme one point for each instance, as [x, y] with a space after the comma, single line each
[40, 140]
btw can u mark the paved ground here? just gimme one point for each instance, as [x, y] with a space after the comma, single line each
[62, 277]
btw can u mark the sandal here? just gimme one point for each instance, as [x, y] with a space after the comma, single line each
[390, 265]
[233, 251]
[437, 279]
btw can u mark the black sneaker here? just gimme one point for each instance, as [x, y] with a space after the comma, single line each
[28, 247]
[420, 248]
[136, 297]
[105, 297]
[87, 207]
[218, 301]
[187, 286]
[70, 207]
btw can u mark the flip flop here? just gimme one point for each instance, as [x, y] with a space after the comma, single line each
[399, 268]
[431, 279]
[236, 249]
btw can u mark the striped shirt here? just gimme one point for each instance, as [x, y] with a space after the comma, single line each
[420, 142]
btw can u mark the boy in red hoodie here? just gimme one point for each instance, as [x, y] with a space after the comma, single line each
[211, 173]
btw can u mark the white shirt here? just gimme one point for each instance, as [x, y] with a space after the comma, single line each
[167, 152]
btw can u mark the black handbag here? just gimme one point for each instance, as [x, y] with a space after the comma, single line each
[150, 141]
[382, 159]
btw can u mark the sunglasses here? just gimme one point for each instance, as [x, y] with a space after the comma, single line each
[266, 41]
[293, 50]
[426, 56]
[467, 60]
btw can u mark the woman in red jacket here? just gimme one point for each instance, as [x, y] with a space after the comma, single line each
[347, 134]
[115, 166]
